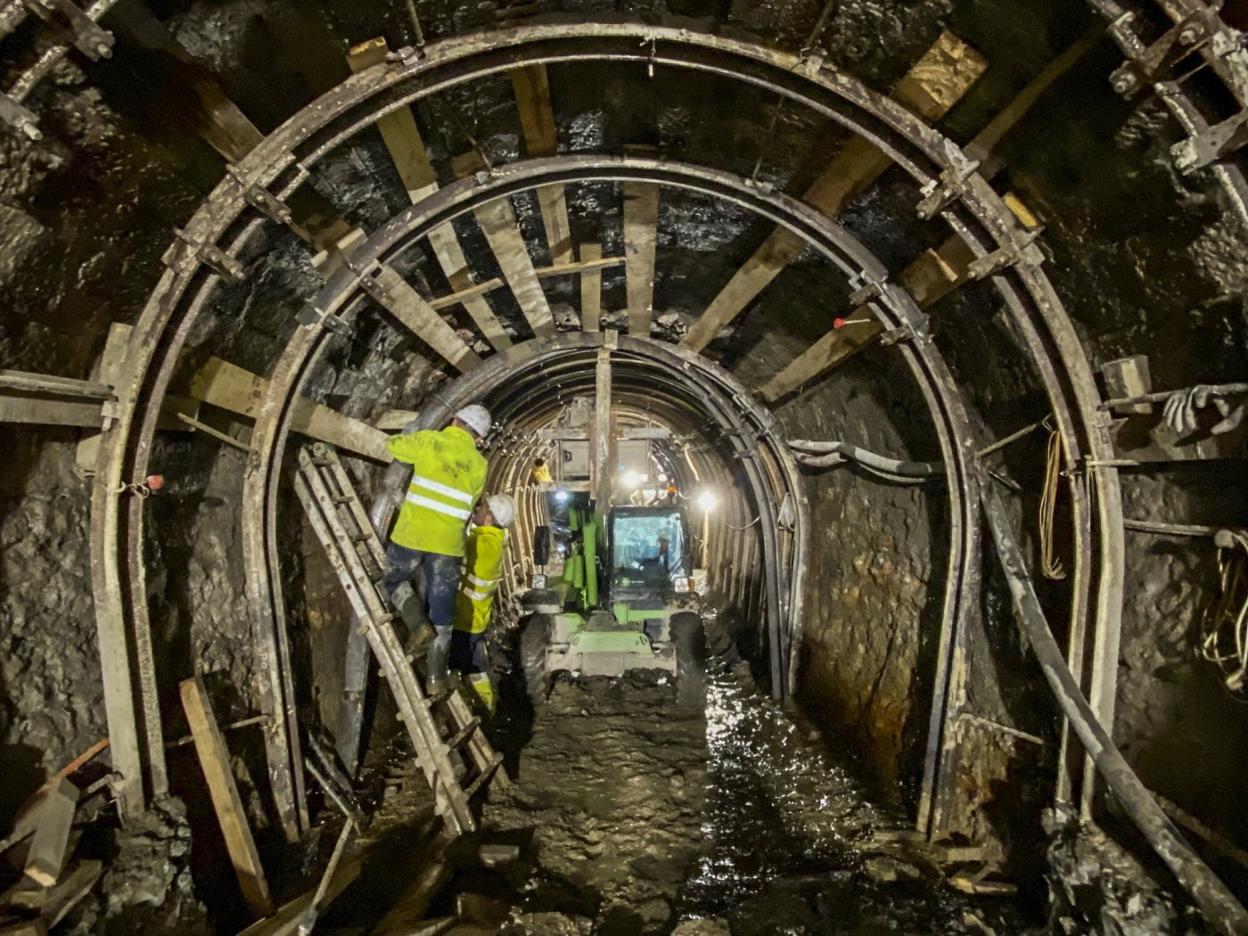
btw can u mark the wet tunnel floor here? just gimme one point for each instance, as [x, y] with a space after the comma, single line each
[647, 812]
[639, 813]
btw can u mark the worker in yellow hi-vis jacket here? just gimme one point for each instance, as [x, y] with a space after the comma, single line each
[448, 475]
[474, 603]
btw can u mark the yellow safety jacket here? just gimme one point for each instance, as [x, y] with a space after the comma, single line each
[448, 475]
[483, 570]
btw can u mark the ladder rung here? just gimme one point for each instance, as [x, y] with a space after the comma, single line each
[464, 733]
[485, 775]
[344, 499]
[321, 462]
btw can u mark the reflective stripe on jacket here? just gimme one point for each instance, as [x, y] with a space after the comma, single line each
[483, 569]
[448, 475]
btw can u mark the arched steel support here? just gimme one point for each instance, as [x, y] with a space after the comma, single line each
[747, 423]
[280, 165]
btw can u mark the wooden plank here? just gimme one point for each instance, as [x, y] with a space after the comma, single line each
[52, 385]
[410, 909]
[51, 842]
[398, 128]
[53, 903]
[498, 222]
[641, 219]
[591, 289]
[407, 149]
[537, 123]
[395, 419]
[479, 289]
[40, 411]
[393, 292]
[932, 86]
[931, 277]
[450, 255]
[214, 758]
[603, 430]
[287, 920]
[981, 148]
[238, 390]
[595, 264]
[586, 267]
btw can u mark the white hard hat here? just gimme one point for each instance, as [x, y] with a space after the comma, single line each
[477, 418]
[503, 508]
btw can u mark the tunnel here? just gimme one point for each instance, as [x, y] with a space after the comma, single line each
[864, 398]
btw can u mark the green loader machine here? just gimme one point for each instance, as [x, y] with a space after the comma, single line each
[625, 601]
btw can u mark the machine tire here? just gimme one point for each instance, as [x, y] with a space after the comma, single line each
[689, 639]
[533, 641]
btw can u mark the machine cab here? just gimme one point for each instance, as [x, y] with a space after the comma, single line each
[650, 561]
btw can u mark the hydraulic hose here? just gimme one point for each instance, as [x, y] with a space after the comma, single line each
[827, 454]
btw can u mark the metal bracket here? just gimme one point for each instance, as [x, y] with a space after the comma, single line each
[310, 316]
[88, 37]
[409, 56]
[1149, 64]
[864, 289]
[18, 117]
[262, 199]
[1208, 146]
[210, 255]
[1023, 249]
[941, 192]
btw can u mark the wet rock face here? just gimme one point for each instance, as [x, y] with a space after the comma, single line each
[50, 690]
[147, 886]
[1098, 886]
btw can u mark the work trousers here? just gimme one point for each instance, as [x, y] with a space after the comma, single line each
[441, 582]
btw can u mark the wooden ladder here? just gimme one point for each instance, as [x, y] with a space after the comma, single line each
[358, 557]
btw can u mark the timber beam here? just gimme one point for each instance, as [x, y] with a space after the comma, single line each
[930, 278]
[641, 220]
[537, 121]
[239, 391]
[411, 160]
[936, 82]
[497, 220]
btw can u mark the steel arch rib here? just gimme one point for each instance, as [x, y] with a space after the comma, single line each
[225, 220]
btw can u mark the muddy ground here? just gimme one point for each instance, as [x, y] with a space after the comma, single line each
[637, 814]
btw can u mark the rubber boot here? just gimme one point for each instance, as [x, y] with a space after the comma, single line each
[419, 630]
[436, 659]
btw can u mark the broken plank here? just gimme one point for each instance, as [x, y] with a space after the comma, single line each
[239, 391]
[47, 849]
[641, 218]
[537, 122]
[931, 277]
[388, 288]
[410, 909]
[498, 223]
[591, 289]
[932, 86]
[214, 758]
[52, 904]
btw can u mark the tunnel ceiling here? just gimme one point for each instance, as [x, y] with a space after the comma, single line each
[763, 216]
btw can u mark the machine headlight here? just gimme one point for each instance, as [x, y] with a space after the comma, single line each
[682, 584]
[537, 581]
